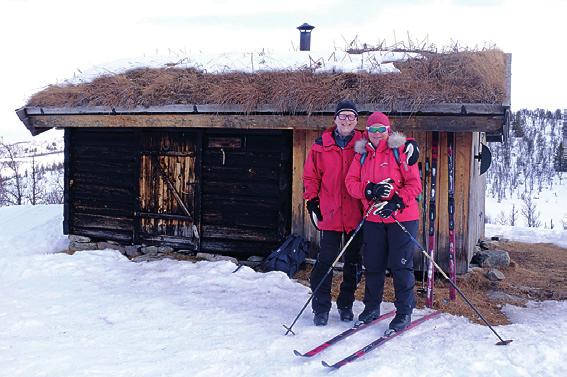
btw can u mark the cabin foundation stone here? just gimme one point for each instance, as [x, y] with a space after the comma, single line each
[81, 246]
[79, 239]
[111, 245]
[132, 251]
[216, 257]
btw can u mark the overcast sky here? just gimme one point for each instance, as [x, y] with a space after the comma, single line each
[47, 41]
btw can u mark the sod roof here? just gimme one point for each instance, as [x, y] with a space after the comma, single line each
[455, 78]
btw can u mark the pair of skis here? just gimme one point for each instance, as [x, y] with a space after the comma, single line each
[433, 210]
[369, 347]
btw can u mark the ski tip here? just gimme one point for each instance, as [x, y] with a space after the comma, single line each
[504, 342]
[297, 353]
[325, 364]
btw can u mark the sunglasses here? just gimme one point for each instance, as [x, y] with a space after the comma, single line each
[346, 116]
[380, 129]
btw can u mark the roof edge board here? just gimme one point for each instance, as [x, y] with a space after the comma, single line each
[402, 109]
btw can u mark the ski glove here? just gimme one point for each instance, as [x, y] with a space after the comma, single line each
[412, 152]
[314, 208]
[377, 191]
[385, 209]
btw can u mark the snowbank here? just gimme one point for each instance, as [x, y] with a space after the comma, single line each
[556, 236]
[28, 230]
[95, 313]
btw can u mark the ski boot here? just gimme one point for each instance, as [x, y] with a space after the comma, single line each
[346, 314]
[368, 315]
[321, 318]
[399, 323]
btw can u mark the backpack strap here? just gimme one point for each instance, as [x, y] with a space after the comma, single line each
[394, 150]
[396, 155]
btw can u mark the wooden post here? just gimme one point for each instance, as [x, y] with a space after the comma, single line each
[67, 182]
[309, 230]
[298, 158]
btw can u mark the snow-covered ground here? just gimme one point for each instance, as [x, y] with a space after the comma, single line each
[550, 204]
[557, 236]
[95, 313]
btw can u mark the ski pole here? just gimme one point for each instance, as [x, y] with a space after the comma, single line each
[502, 342]
[289, 328]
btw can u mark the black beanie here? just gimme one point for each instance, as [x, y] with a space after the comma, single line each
[345, 105]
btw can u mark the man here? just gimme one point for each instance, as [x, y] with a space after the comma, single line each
[336, 212]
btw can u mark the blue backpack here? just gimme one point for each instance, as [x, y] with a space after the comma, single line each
[288, 257]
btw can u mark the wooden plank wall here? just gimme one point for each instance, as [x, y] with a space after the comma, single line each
[103, 172]
[297, 204]
[477, 187]
[462, 171]
[424, 141]
[301, 224]
[463, 157]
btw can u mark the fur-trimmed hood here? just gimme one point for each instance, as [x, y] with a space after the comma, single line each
[395, 140]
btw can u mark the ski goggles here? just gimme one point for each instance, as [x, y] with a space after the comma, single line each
[378, 128]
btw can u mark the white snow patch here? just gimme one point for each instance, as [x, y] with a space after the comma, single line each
[95, 313]
[252, 61]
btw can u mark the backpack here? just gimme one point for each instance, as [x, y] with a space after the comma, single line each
[288, 257]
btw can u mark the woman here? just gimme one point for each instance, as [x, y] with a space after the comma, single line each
[381, 177]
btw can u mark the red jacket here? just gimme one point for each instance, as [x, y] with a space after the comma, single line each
[324, 175]
[380, 164]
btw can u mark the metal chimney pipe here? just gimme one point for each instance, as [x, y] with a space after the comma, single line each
[305, 36]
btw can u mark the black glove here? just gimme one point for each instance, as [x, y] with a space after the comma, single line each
[385, 209]
[314, 207]
[412, 152]
[374, 191]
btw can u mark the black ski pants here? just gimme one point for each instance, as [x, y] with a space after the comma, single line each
[330, 247]
[386, 245]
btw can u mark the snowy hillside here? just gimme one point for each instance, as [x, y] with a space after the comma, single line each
[522, 179]
[95, 313]
[45, 143]
[31, 172]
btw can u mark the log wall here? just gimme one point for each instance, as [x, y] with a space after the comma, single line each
[249, 188]
[246, 191]
[102, 170]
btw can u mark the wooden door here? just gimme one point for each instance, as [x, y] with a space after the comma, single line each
[168, 189]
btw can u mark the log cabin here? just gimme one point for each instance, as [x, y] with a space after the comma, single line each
[214, 161]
